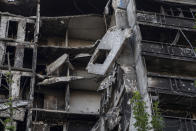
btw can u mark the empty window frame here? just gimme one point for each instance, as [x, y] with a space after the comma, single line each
[187, 12]
[11, 50]
[101, 56]
[24, 87]
[28, 58]
[4, 88]
[38, 100]
[12, 29]
[29, 32]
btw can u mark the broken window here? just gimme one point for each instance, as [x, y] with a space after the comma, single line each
[12, 29]
[187, 13]
[11, 50]
[177, 11]
[38, 100]
[101, 56]
[52, 33]
[28, 58]
[4, 92]
[29, 32]
[24, 87]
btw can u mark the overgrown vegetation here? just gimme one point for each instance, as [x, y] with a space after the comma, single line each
[139, 113]
[157, 120]
[142, 117]
[8, 123]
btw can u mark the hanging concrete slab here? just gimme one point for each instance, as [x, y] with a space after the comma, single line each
[56, 64]
[108, 49]
[57, 80]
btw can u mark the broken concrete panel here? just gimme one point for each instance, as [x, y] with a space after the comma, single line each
[17, 73]
[57, 80]
[19, 55]
[110, 46]
[108, 81]
[2, 52]
[113, 117]
[3, 26]
[18, 115]
[15, 86]
[21, 30]
[82, 56]
[56, 64]
[16, 104]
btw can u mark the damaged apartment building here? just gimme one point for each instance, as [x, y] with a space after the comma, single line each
[76, 63]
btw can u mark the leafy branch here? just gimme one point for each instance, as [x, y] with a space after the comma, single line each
[142, 117]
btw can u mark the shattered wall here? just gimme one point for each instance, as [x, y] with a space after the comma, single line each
[75, 64]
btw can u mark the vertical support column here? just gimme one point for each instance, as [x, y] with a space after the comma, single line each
[67, 92]
[67, 38]
[15, 86]
[65, 126]
[19, 55]
[141, 73]
[34, 63]
[3, 25]
[102, 125]
[31, 94]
